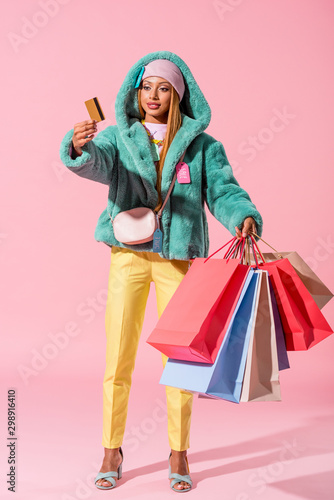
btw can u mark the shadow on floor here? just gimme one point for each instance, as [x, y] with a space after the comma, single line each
[308, 440]
[314, 487]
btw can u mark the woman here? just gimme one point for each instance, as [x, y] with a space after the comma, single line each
[160, 113]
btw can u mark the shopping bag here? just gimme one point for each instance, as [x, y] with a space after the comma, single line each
[303, 323]
[194, 322]
[283, 360]
[261, 377]
[319, 291]
[224, 377]
[261, 392]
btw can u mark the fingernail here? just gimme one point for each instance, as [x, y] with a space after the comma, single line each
[244, 235]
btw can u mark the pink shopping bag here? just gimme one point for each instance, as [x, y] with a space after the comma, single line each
[195, 320]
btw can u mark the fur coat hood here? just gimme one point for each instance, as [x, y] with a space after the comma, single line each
[120, 157]
[195, 113]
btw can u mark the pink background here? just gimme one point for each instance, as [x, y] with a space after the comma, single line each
[252, 61]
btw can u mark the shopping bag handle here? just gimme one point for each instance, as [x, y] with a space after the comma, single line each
[232, 248]
[252, 233]
[234, 238]
[237, 244]
[237, 248]
[256, 248]
[254, 244]
[245, 245]
[247, 252]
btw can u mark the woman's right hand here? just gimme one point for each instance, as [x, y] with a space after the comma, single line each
[83, 133]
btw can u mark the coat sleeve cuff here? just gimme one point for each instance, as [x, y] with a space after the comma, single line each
[66, 150]
[250, 212]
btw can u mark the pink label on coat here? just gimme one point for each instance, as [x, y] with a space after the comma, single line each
[182, 173]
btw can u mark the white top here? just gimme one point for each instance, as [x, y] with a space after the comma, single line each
[157, 130]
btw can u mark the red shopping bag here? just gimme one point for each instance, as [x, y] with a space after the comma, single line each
[194, 322]
[303, 323]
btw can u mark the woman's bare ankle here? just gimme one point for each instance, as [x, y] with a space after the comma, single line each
[111, 451]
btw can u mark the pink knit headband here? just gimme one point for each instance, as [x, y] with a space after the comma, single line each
[166, 69]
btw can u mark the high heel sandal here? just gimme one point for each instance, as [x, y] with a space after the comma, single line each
[109, 476]
[177, 478]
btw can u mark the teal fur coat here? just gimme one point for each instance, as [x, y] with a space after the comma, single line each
[120, 157]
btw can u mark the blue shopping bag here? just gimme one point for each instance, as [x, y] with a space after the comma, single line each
[223, 378]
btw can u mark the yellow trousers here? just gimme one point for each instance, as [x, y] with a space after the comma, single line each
[129, 281]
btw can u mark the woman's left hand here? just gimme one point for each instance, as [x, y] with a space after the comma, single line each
[248, 225]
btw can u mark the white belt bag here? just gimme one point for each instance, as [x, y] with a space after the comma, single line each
[137, 225]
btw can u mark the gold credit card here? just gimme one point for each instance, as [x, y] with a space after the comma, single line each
[94, 109]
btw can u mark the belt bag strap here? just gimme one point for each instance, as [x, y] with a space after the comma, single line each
[170, 189]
